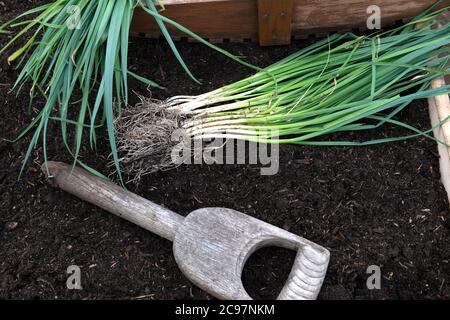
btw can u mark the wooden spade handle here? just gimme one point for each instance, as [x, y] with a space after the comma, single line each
[307, 275]
[114, 199]
[211, 245]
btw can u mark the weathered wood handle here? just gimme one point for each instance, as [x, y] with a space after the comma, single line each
[114, 199]
[307, 275]
[211, 245]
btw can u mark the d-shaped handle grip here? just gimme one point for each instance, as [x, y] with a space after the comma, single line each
[307, 275]
[212, 246]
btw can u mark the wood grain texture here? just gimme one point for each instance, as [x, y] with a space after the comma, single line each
[211, 245]
[238, 19]
[439, 109]
[274, 22]
[114, 199]
[214, 19]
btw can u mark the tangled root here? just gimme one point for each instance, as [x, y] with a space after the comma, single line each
[144, 137]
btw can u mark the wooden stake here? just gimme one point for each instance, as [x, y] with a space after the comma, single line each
[275, 22]
[439, 109]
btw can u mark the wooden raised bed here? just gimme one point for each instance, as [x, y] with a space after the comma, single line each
[273, 21]
[239, 20]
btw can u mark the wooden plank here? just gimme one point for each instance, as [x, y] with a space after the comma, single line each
[275, 20]
[211, 19]
[238, 19]
[312, 16]
[439, 109]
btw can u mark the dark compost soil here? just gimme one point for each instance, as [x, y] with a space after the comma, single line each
[381, 205]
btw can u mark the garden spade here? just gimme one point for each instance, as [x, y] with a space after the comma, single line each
[210, 245]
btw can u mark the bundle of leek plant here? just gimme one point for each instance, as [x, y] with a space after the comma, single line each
[81, 45]
[342, 83]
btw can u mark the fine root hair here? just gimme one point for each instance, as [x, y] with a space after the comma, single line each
[144, 137]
